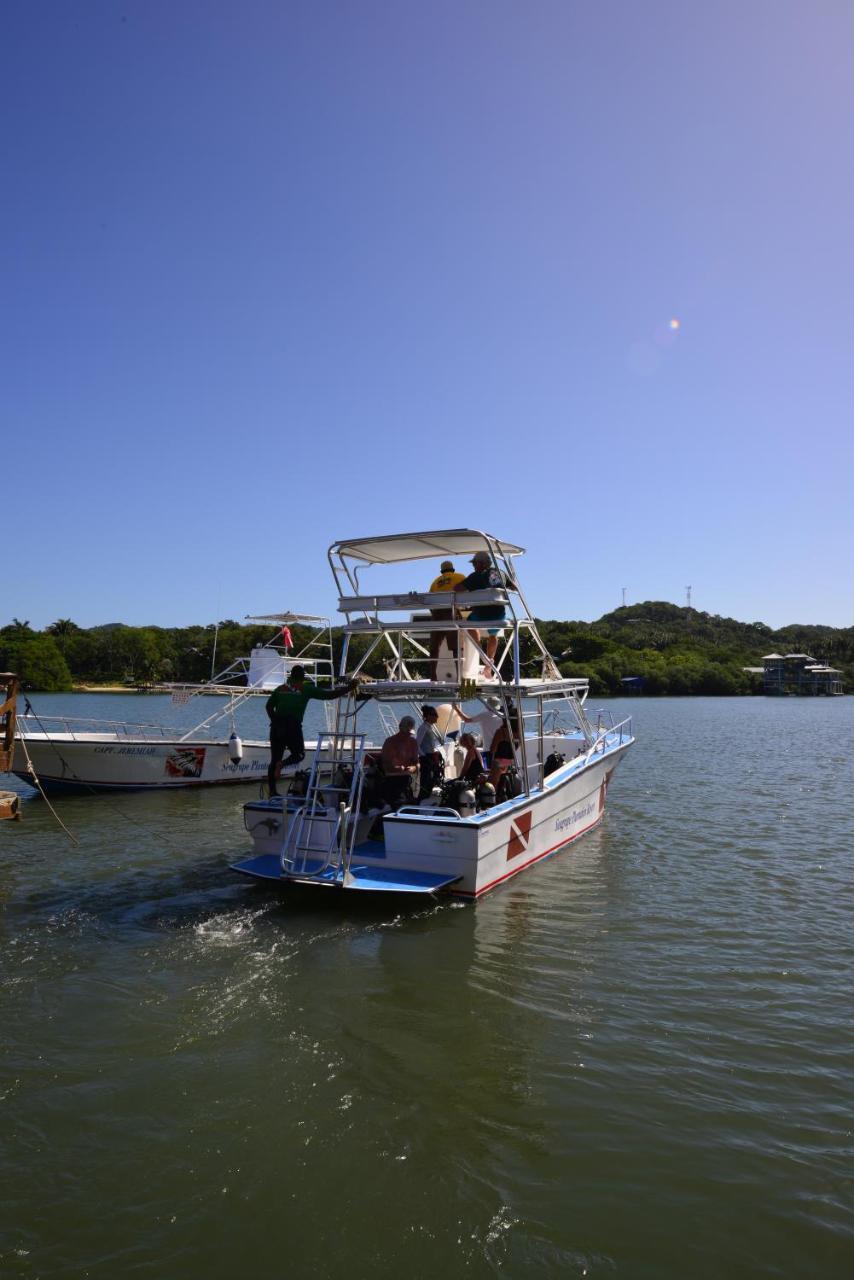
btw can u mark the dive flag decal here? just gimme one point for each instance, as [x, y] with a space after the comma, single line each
[520, 830]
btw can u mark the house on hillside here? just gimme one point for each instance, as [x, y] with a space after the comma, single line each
[797, 674]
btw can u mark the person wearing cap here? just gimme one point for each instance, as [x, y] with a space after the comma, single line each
[430, 757]
[486, 575]
[448, 580]
[286, 707]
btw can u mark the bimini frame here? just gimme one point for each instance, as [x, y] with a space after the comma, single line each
[239, 682]
[523, 697]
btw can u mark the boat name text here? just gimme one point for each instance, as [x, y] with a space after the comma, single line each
[576, 816]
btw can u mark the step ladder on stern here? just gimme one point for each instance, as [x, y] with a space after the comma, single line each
[318, 844]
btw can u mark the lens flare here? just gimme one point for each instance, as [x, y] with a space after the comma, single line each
[675, 324]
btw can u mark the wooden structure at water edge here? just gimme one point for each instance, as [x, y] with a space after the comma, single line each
[9, 800]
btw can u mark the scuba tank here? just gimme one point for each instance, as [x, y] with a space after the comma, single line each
[485, 795]
[510, 785]
[235, 749]
[458, 795]
[467, 803]
[553, 762]
[343, 776]
[299, 783]
[434, 800]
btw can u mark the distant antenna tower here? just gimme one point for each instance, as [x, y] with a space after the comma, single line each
[624, 596]
[688, 595]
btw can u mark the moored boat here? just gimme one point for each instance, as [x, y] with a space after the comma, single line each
[466, 835]
[70, 753]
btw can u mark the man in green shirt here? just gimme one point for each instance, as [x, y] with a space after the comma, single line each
[286, 708]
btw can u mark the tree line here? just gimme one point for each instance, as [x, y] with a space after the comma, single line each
[668, 649]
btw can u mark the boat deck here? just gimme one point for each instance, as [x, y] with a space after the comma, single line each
[267, 866]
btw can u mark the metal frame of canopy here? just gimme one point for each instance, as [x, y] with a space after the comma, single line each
[322, 669]
[400, 548]
[348, 557]
[394, 548]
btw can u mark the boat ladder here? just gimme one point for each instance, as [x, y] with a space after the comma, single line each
[320, 837]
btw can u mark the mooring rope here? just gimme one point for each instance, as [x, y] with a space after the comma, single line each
[30, 711]
[37, 781]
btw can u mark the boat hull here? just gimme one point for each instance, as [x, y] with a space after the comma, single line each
[107, 761]
[472, 855]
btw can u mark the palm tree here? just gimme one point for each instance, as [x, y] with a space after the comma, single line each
[62, 629]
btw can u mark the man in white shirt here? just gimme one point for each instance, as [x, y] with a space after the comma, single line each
[430, 757]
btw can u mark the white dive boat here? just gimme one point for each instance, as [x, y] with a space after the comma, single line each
[73, 754]
[462, 837]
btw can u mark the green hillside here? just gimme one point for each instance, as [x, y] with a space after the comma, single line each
[674, 650]
[682, 651]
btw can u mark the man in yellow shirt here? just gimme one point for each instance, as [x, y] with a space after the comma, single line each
[446, 581]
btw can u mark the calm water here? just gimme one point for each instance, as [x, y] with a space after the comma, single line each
[634, 1060]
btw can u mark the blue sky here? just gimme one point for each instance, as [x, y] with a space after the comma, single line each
[275, 274]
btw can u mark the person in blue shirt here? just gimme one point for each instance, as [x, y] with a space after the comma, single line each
[485, 574]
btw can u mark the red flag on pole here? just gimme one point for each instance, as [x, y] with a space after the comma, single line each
[286, 638]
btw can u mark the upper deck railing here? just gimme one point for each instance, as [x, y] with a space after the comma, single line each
[408, 601]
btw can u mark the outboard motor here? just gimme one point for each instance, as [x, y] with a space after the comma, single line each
[485, 796]
[235, 749]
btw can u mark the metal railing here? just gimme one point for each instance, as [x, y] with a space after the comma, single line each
[78, 727]
[610, 737]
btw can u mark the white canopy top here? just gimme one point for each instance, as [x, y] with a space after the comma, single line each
[285, 619]
[396, 547]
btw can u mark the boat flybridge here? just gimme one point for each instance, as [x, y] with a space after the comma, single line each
[466, 835]
[87, 756]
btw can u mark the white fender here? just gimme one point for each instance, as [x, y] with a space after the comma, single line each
[449, 721]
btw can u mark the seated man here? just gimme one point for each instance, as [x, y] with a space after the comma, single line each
[399, 763]
[448, 580]
[486, 575]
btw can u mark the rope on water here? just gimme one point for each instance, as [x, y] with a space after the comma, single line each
[37, 781]
[105, 798]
